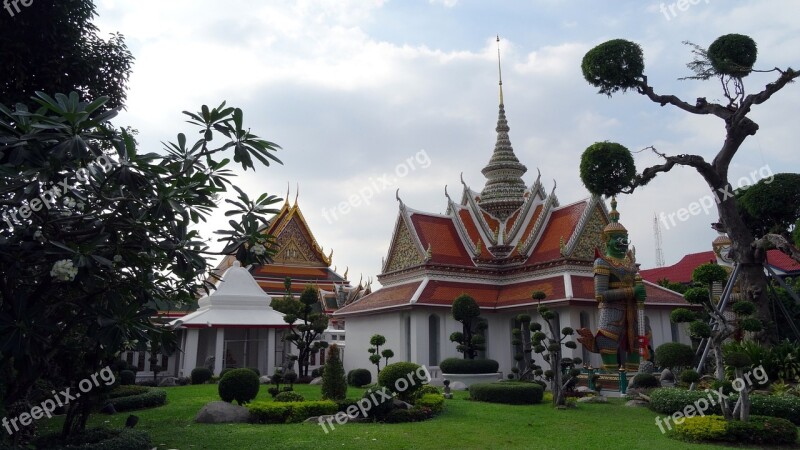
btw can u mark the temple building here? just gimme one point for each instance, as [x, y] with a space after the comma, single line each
[498, 245]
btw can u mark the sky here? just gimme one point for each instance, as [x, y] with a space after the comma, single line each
[369, 96]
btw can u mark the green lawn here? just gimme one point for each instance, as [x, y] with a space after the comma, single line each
[464, 424]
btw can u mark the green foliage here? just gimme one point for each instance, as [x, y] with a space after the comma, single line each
[759, 430]
[435, 402]
[97, 439]
[469, 342]
[689, 376]
[538, 295]
[289, 396]
[403, 379]
[201, 375]
[607, 168]
[733, 54]
[696, 295]
[677, 287]
[785, 406]
[127, 377]
[468, 366]
[674, 354]
[127, 390]
[750, 324]
[359, 377]
[381, 406]
[682, 315]
[513, 393]
[709, 273]
[376, 341]
[289, 412]
[702, 428]
[240, 385]
[312, 323]
[671, 400]
[699, 329]
[465, 308]
[614, 65]
[743, 308]
[644, 381]
[334, 384]
[427, 389]
[153, 397]
[772, 205]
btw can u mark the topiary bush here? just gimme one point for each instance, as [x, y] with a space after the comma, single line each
[380, 405]
[607, 168]
[674, 354]
[733, 54]
[427, 389]
[760, 430]
[614, 65]
[334, 384]
[149, 399]
[513, 393]
[239, 384]
[785, 406]
[672, 400]
[257, 372]
[403, 378]
[644, 381]
[127, 377]
[201, 375]
[290, 412]
[289, 396]
[125, 390]
[224, 371]
[359, 377]
[689, 376]
[468, 366]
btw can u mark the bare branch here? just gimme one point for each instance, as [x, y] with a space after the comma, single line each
[756, 99]
[705, 169]
[701, 107]
[779, 242]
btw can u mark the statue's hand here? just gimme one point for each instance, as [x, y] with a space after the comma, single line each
[639, 292]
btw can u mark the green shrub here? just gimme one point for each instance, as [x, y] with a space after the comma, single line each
[468, 366]
[289, 396]
[316, 373]
[674, 354]
[149, 399]
[761, 430]
[97, 439]
[346, 403]
[614, 65]
[427, 389]
[433, 401]
[644, 381]
[689, 376]
[671, 400]
[408, 415]
[334, 384]
[201, 375]
[257, 372]
[402, 378]
[359, 377]
[381, 406]
[512, 393]
[785, 406]
[733, 54]
[127, 390]
[127, 377]
[224, 371]
[290, 412]
[239, 384]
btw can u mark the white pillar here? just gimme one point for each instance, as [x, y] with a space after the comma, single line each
[218, 351]
[419, 338]
[190, 351]
[270, 352]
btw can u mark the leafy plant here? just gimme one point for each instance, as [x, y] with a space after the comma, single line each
[375, 352]
[466, 310]
[305, 334]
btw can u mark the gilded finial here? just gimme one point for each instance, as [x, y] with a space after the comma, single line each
[499, 69]
[287, 194]
[346, 271]
[428, 252]
[296, 194]
[561, 246]
[478, 248]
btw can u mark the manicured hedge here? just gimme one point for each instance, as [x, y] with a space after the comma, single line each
[127, 377]
[127, 391]
[396, 376]
[433, 401]
[98, 439]
[151, 398]
[289, 396]
[672, 400]
[785, 406]
[759, 430]
[359, 377]
[644, 380]
[468, 366]
[513, 393]
[201, 375]
[292, 412]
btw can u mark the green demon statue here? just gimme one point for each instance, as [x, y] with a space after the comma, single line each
[622, 337]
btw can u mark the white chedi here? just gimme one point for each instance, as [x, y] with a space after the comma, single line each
[64, 270]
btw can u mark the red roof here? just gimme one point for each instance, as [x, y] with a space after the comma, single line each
[383, 298]
[681, 272]
[440, 233]
[782, 261]
[562, 224]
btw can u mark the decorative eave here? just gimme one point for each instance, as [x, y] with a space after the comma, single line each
[476, 212]
[530, 241]
[285, 216]
[404, 215]
[593, 202]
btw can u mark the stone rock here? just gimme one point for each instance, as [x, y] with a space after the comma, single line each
[222, 412]
[585, 389]
[263, 379]
[593, 399]
[458, 386]
[317, 380]
[645, 397]
[399, 404]
[667, 375]
[647, 367]
[109, 409]
[636, 403]
[168, 381]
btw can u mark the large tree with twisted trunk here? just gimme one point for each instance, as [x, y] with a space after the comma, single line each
[618, 65]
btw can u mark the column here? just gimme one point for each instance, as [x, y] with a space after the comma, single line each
[218, 351]
[190, 351]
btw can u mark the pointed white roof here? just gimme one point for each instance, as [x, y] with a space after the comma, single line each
[238, 301]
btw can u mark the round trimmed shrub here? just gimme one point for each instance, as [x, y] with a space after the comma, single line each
[672, 400]
[289, 396]
[607, 168]
[239, 384]
[512, 393]
[127, 377]
[733, 54]
[258, 372]
[402, 378]
[644, 381]
[690, 376]
[674, 354]
[468, 366]
[359, 377]
[614, 65]
[224, 371]
[427, 389]
[201, 375]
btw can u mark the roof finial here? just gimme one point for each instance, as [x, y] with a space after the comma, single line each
[297, 194]
[499, 69]
[287, 193]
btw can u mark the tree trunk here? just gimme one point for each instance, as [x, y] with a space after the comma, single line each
[744, 398]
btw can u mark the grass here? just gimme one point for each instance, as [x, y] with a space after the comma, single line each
[464, 424]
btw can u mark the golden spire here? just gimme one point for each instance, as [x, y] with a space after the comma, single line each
[499, 69]
[287, 194]
[297, 194]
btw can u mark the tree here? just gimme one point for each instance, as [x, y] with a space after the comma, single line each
[466, 310]
[53, 46]
[375, 353]
[92, 240]
[334, 383]
[618, 65]
[677, 287]
[521, 340]
[772, 205]
[549, 347]
[313, 322]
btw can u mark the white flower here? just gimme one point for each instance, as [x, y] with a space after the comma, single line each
[258, 249]
[64, 270]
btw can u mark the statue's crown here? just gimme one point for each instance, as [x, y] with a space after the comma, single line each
[614, 227]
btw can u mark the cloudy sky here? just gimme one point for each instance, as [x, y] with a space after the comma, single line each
[368, 96]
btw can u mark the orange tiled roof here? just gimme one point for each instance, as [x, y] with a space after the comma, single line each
[469, 225]
[493, 223]
[562, 223]
[582, 287]
[491, 296]
[387, 297]
[440, 233]
[534, 218]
